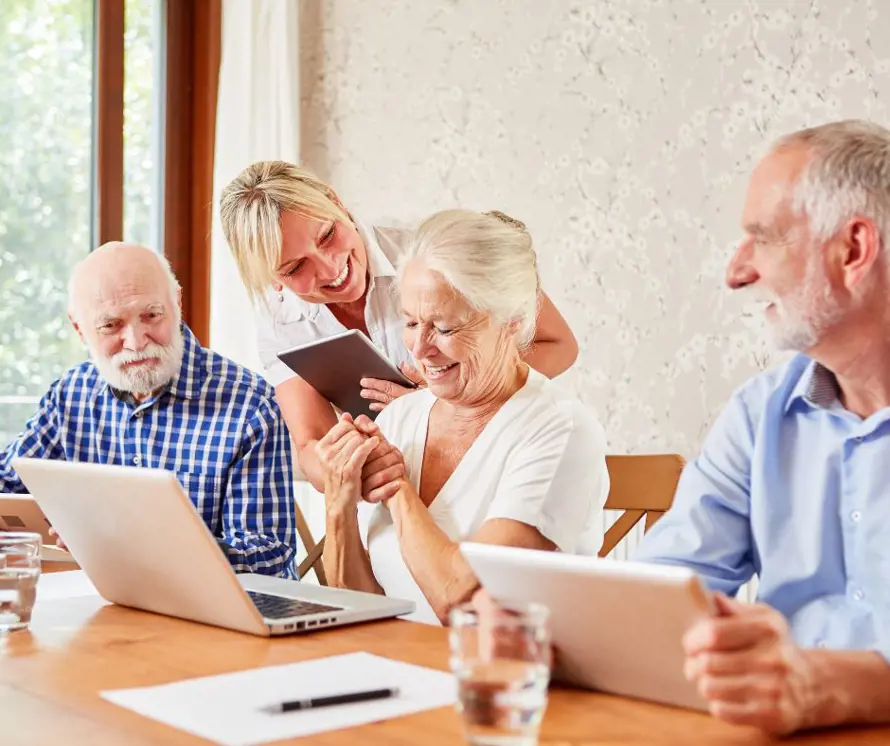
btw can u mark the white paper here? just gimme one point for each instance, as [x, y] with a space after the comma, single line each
[228, 709]
[54, 586]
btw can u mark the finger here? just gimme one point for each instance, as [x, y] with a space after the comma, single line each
[381, 478]
[726, 606]
[365, 424]
[346, 417]
[61, 544]
[747, 688]
[354, 464]
[382, 493]
[730, 633]
[375, 395]
[734, 664]
[343, 448]
[376, 407]
[384, 457]
[762, 715]
[335, 433]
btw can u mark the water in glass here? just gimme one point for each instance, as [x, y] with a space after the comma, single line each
[19, 573]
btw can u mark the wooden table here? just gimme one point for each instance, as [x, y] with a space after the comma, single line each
[50, 677]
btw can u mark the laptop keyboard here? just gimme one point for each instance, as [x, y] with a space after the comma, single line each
[278, 607]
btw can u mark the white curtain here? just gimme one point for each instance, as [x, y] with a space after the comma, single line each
[257, 118]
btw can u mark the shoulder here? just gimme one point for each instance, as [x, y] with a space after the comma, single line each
[392, 241]
[80, 380]
[547, 410]
[776, 385]
[226, 376]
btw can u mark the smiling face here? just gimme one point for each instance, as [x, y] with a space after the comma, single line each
[779, 261]
[463, 355]
[322, 261]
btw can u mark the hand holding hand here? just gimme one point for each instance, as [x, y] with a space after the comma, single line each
[342, 453]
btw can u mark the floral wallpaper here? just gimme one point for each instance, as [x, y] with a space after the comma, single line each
[622, 132]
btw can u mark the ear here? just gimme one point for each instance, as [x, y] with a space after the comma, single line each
[861, 246]
[77, 329]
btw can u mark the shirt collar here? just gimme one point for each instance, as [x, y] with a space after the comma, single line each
[378, 266]
[188, 381]
[817, 387]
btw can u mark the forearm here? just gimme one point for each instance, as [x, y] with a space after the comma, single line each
[310, 465]
[849, 687]
[258, 553]
[434, 561]
[346, 563]
[550, 356]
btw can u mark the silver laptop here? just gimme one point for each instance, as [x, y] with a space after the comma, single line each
[139, 539]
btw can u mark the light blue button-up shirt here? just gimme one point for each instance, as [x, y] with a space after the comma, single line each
[795, 489]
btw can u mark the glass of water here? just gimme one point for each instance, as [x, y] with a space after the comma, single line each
[501, 658]
[19, 572]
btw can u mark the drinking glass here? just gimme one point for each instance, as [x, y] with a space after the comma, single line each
[19, 572]
[501, 658]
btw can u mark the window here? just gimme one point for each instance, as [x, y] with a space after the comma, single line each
[48, 54]
[46, 125]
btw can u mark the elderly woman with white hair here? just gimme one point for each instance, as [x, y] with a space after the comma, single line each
[315, 270]
[492, 450]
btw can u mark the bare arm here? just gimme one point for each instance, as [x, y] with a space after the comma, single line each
[435, 562]
[308, 416]
[341, 453]
[554, 348]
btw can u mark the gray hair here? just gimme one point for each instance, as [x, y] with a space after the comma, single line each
[486, 257]
[848, 174]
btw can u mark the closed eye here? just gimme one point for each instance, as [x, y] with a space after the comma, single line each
[295, 268]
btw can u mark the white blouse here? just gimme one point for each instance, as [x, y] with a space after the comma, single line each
[283, 324]
[540, 460]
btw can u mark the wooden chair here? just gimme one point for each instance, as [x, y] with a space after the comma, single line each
[313, 558]
[641, 485]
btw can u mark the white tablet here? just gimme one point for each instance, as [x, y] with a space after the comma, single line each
[617, 626]
[22, 513]
[335, 366]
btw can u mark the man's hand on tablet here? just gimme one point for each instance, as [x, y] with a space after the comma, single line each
[748, 668]
[59, 543]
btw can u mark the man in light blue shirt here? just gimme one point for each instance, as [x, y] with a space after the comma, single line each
[793, 481]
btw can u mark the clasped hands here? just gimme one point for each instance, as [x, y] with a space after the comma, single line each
[358, 463]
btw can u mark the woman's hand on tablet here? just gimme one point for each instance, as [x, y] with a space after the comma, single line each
[384, 468]
[342, 454]
[381, 393]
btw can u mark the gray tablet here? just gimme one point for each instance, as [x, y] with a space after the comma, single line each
[335, 366]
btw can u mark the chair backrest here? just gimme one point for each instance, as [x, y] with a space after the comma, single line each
[313, 557]
[641, 485]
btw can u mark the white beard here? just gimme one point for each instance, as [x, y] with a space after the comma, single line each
[143, 380]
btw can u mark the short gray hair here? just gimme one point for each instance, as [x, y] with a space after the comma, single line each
[848, 174]
[486, 257]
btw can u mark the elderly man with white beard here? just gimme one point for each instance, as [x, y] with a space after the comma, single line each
[793, 482]
[151, 396]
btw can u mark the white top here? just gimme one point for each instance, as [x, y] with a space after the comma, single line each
[540, 460]
[283, 324]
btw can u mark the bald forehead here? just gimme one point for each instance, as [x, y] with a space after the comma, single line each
[116, 277]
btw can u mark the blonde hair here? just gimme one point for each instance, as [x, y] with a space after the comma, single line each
[250, 210]
[486, 257]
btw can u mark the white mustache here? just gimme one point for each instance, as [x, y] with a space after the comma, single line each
[132, 356]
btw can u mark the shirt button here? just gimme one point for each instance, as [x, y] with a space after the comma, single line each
[855, 516]
[858, 595]
[136, 460]
[138, 414]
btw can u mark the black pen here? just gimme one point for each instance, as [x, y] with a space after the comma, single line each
[335, 699]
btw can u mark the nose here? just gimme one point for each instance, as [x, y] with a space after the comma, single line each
[422, 347]
[326, 267]
[135, 337]
[740, 271]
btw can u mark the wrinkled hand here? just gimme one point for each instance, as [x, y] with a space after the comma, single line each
[381, 393]
[384, 468]
[342, 454]
[59, 543]
[748, 668]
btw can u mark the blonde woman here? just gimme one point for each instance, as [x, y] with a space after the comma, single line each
[313, 270]
[493, 451]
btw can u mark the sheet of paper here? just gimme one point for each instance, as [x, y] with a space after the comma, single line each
[228, 709]
[54, 586]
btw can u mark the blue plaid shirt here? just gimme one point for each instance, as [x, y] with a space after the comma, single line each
[216, 425]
